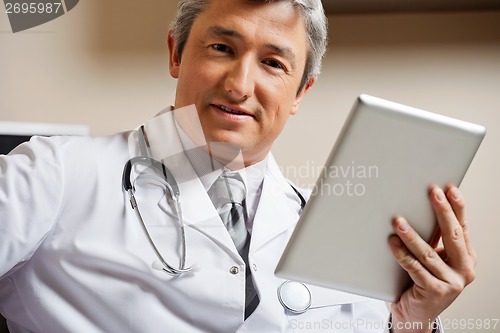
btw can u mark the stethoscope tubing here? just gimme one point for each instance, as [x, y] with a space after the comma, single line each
[175, 194]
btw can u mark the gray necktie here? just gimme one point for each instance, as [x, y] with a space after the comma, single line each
[227, 194]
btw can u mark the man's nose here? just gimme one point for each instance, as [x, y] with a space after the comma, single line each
[240, 79]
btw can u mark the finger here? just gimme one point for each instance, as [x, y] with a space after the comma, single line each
[442, 253]
[451, 230]
[425, 254]
[457, 202]
[417, 272]
[436, 237]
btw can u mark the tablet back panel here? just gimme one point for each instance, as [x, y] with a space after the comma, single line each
[386, 157]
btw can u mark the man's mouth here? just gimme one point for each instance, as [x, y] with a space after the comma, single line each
[232, 111]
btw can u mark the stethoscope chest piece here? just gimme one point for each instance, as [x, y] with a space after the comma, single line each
[294, 296]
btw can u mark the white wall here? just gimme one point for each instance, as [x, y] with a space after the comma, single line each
[104, 64]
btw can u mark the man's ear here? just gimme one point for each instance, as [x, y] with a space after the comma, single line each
[173, 61]
[301, 94]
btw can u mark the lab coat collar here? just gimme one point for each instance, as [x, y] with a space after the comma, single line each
[275, 213]
[197, 209]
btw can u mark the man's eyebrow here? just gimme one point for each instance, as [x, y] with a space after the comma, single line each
[285, 52]
[217, 30]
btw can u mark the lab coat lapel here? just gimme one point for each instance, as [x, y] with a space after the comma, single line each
[274, 214]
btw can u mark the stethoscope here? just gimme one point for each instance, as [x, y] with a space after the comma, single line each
[170, 184]
[293, 296]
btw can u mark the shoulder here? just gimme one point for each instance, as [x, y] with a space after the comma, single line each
[92, 158]
[87, 145]
[41, 146]
[50, 160]
[78, 151]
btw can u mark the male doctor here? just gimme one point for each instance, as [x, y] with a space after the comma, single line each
[74, 257]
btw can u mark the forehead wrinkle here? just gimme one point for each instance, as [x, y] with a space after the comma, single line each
[218, 30]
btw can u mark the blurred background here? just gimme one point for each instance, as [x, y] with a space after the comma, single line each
[104, 64]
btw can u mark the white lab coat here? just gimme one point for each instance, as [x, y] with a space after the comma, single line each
[74, 257]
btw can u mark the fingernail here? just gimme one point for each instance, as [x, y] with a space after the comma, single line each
[401, 224]
[439, 195]
[456, 194]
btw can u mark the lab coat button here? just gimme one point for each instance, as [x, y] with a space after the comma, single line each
[234, 270]
[254, 266]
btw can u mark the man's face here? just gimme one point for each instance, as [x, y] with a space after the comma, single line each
[242, 66]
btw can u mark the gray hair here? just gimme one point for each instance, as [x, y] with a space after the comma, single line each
[311, 10]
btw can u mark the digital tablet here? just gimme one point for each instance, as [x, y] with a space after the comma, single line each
[382, 165]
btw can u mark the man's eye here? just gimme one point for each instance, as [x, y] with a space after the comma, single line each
[221, 47]
[274, 64]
